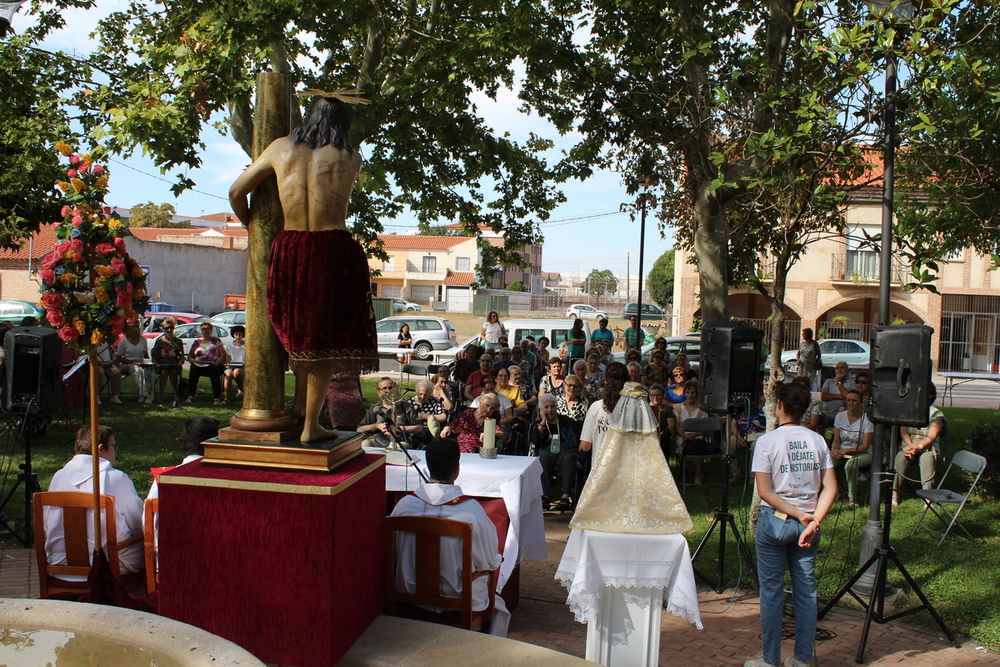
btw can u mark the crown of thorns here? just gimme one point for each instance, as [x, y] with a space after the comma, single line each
[346, 95]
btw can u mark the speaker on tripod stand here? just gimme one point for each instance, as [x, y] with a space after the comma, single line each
[729, 380]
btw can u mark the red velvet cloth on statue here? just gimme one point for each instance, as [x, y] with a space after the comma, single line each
[319, 299]
[104, 588]
[286, 564]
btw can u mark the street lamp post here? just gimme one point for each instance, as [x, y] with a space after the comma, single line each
[7, 10]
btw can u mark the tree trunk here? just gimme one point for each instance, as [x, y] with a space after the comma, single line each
[710, 248]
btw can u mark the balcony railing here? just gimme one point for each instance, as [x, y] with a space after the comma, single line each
[861, 267]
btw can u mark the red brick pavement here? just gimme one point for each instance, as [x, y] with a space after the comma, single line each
[731, 626]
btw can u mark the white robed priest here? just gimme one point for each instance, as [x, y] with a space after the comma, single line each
[625, 552]
[442, 498]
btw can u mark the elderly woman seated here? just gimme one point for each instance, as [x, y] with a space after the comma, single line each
[468, 427]
[556, 442]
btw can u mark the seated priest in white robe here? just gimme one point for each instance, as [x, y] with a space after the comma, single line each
[441, 498]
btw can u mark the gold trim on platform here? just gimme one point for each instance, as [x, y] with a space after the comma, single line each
[298, 489]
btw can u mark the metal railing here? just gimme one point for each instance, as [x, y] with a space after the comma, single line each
[861, 267]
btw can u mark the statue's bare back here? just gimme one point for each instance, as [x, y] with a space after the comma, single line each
[314, 185]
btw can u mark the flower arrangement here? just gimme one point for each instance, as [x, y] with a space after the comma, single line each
[90, 286]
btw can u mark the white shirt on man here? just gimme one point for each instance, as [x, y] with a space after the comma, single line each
[77, 475]
[433, 500]
[830, 387]
[795, 458]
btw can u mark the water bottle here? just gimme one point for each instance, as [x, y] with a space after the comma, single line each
[554, 445]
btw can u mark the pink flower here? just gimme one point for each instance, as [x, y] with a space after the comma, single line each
[52, 300]
[124, 300]
[107, 209]
[120, 244]
[105, 248]
[55, 225]
[65, 211]
[98, 169]
[77, 221]
[69, 334]
[72, 173]
[51, 260]
[83, 168]
[117, 266]
[49, 277]
[77, 257]
[74, 159]
[133, 317]
[76, 244]
[54, 318]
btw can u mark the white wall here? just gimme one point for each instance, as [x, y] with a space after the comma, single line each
[191, 276]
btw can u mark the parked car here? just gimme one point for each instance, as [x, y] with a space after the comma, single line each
[231, 317]
[428, 333]
[855, 353]
[585, 312]
[404, 305]
[152, 322]
[688, 344]
[16, 311]
[649, 311]
[555, 329]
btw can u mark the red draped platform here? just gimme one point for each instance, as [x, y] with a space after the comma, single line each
[288, 565]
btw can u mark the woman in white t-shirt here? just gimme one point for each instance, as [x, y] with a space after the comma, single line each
[852, 438]
[237, 351]
[595, 425]
[132, 350]
[689, 410]
[492, 330]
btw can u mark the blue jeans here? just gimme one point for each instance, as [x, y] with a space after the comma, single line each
[777, 543]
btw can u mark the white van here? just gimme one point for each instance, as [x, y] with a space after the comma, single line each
[555, 329]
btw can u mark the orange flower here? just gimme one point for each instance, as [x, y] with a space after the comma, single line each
[102, 295]
[102, 182]
[79, 325]
[138, 294]
[67, 278]
[137, 272]
[63, 185]
[86, 159]
[64, 148]
[78, 185]
[105, 271]
[96, 337]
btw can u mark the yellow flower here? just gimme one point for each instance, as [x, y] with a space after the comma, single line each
[96, 337]
[102, 182]
[102, 295]
[105, 271]
[137, 272]
[79, 324]
[64, 148]
[67, 278]
[114, 223]
[86, 159]
[63, 185]
[78, 185]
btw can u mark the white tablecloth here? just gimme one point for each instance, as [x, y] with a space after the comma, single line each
[594, 559]
[516, 479]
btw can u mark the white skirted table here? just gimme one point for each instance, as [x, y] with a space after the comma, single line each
[617, 584]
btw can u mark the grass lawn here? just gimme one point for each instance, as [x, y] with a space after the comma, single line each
[959, 578]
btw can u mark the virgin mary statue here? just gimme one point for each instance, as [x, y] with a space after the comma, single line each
[631, 488]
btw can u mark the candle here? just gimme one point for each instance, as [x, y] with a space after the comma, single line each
[489, 433]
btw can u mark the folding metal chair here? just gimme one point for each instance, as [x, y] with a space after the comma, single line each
[942, 497]
[413, 369]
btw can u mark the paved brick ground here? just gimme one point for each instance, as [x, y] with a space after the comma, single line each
[731, 624]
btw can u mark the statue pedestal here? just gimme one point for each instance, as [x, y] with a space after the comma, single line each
[287, 565]
[281, 450]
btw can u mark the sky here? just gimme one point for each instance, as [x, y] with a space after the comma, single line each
[587, 232]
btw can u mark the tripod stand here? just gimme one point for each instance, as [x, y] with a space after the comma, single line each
[875, 607]
[26, 477]
[724, 518]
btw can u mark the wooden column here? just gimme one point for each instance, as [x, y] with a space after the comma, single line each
[266, 360]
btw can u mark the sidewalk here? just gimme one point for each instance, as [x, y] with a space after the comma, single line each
[729, 638]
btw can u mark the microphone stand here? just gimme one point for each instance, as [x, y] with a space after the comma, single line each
[391, 428]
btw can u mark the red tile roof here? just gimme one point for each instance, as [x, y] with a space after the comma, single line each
[417, 242]
[40, 245]
[459, 278]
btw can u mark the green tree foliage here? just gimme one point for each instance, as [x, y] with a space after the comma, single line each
[601, 282]
[174, 67]
[154, 215]
[516, 286]
[661, 279]
[32, 118]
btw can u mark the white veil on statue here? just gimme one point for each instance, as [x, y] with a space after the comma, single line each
[631, 488]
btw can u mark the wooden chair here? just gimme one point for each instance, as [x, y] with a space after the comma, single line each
[428, 532]
[150, 509]
[76, 520]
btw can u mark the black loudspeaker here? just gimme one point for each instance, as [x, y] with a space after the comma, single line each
[729, 375]
[901, 374]
[34, 370]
